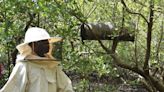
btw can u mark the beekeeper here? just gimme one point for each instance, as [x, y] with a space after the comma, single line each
[36, 69]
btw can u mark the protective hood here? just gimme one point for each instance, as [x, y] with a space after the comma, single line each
[34, 34]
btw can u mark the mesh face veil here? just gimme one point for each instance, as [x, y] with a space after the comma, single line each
[40, 47]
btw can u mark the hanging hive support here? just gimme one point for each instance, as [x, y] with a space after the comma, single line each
[104, 31]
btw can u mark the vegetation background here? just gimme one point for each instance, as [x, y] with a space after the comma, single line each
[93, 66]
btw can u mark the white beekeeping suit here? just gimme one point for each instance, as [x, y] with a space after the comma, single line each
[33, 73]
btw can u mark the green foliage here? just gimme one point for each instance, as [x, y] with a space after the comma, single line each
[63, 17]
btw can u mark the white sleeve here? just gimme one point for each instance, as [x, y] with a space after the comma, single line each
[17, 80]
[63, 82]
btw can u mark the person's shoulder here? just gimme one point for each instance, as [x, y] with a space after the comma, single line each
[21, 63]
[21, 59]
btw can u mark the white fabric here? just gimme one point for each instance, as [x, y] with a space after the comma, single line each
[36, 34]
[37, 76]
[24, 50]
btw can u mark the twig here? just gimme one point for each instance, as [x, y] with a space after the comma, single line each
[77, 17]
[140, 3]
[91, 10]
[160, 40]
[129, 11]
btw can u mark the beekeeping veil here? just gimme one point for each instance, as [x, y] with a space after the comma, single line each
[35, 34]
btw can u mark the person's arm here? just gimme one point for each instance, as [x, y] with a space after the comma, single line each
[64, 84]
[17, 80]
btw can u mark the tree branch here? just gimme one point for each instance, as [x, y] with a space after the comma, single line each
[121, 64]
[149, 35]
[129, 11]
[157, 84]
[105, 48]
[147, 85]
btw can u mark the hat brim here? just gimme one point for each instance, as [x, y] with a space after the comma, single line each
[55, 39]
[23, 46]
